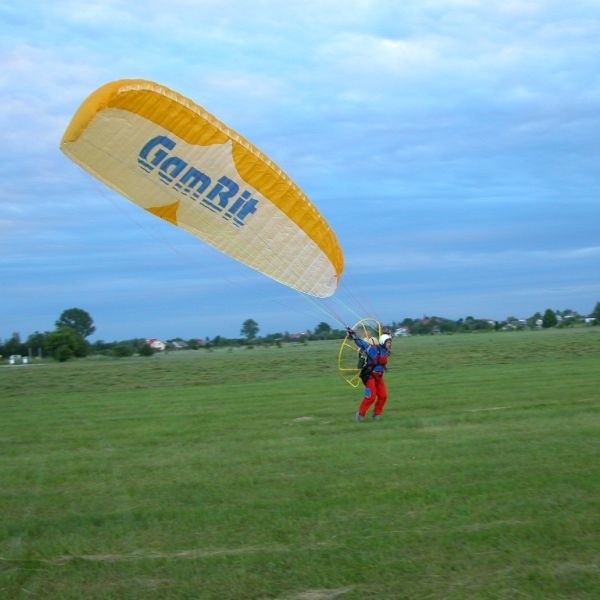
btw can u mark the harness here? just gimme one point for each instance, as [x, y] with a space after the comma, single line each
[367, 364]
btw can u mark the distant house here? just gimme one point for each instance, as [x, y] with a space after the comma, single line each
[297, 336]
[401, 332]
[515, 324]
[178, 345]
[156, 344]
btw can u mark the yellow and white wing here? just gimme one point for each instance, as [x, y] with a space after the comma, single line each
[179, 162]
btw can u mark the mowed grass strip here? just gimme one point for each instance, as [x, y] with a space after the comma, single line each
[241, 474]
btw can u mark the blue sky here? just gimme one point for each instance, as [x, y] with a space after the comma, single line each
[452, 145]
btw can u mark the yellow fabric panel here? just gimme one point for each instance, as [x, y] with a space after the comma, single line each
[168, 212]
[155, 103]
[195, 125]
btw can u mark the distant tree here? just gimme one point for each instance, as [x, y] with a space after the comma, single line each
[13, 346]
[65, 343]
[36, 342]
[146, 350]
[101, 347]
[78, 320]
[448, 326]
[595, 314]
[249, 329]
[63, 353]
[549, 319]
[323, 327]
[323, 330]
[123, 350]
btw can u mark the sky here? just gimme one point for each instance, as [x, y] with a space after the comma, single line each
[452, 145]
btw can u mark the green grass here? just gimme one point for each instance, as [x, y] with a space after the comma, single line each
[241, 474]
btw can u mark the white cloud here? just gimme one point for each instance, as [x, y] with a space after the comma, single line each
[357, 54]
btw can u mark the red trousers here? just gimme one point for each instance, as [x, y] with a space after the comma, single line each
[375, 391]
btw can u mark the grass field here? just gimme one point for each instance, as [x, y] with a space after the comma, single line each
[241, 474]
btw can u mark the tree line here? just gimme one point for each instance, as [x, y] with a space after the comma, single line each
[72, 328]
[549, 318]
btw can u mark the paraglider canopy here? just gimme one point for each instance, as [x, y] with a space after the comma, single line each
[179, 162]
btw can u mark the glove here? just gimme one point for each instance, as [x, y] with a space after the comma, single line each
[350, 332]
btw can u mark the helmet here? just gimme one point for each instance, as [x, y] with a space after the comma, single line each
[384, 338]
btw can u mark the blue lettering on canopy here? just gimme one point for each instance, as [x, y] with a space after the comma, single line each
[222, 197]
